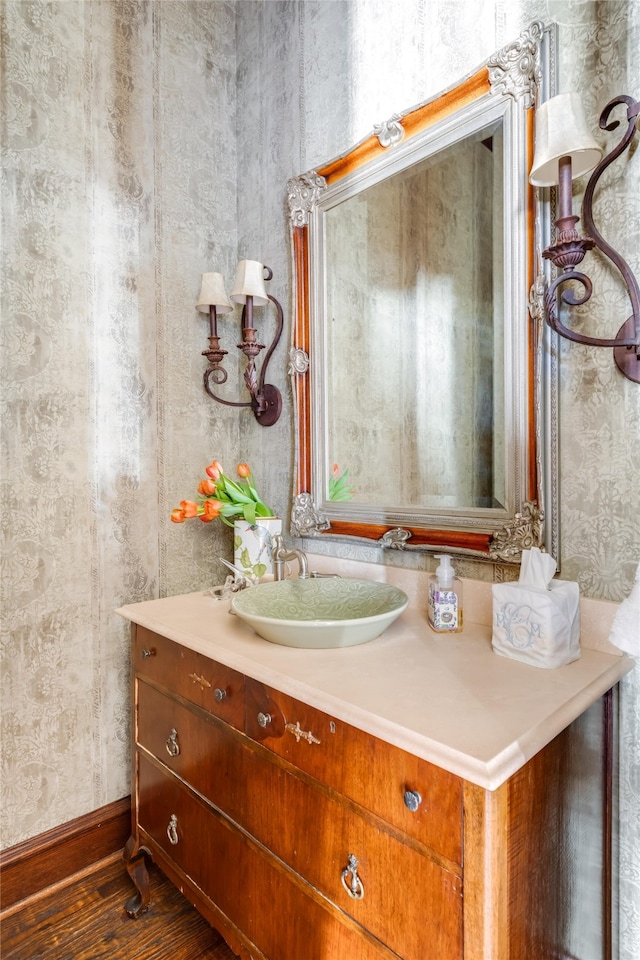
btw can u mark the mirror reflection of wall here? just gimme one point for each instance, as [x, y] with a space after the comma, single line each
[415, 323]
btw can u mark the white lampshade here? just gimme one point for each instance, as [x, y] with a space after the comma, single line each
[213, 293]
[249, 282]
[561, 131]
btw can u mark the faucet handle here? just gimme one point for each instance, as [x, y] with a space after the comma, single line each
[241, 578]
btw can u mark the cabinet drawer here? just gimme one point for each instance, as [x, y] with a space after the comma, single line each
[375, 774]
[206, 754]
[211, 685]
[194, 838]
[406, 899]
[285, 918]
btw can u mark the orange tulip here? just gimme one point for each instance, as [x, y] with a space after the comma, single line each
[214, 469]
[244, 470]
[211, 510]
[189, 508]
[177, 516]
[206, 487]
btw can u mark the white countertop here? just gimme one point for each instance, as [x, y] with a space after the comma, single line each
[446, 698]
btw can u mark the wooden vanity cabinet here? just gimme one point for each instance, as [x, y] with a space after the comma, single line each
[301, 837]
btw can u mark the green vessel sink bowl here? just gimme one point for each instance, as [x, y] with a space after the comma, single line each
[320, 612]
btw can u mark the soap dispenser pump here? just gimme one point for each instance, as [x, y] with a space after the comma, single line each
[445, 598]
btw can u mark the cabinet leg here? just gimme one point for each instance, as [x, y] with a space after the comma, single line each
[136, 860]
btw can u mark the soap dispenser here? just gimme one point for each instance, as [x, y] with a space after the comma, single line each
[445, 598]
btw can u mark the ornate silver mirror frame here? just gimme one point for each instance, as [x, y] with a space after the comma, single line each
[504, 90]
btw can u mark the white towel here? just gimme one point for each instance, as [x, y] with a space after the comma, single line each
[625, 632]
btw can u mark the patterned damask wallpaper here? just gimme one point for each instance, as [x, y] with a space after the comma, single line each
[144, 143]
[118, 191]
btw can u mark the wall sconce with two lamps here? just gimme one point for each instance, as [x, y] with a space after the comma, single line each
[250, 291]
[564, 150]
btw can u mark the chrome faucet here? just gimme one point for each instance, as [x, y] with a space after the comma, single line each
[281, 556]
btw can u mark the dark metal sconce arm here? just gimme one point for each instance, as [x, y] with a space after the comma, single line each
[272, 345]
[633, 111]
[628, 337]
[228, 403]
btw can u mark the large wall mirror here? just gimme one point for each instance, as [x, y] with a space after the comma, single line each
[421, 367]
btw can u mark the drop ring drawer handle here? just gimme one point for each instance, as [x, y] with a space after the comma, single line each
[412, 800]
[172, 745]
[264, 719]
[172, 830]
[350, 879]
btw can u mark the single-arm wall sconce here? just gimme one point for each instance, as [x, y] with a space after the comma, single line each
[565, 149]
[249, 290]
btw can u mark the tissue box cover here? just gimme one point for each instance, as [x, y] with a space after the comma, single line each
[537, 626]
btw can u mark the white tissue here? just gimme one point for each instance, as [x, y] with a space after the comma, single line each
[536, 568]
[537, 619]
[625, 632]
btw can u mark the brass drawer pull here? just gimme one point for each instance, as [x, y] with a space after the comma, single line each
[148, 652]
[172, 830]
[264, 719]
[412, 800]
[350, 879]
[172, 745]
[204, 683]
[219, 694]
[300, 734]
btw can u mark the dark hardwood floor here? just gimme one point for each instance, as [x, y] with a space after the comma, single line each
[87, 921]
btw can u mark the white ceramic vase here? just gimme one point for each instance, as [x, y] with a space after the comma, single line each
[252, 545]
